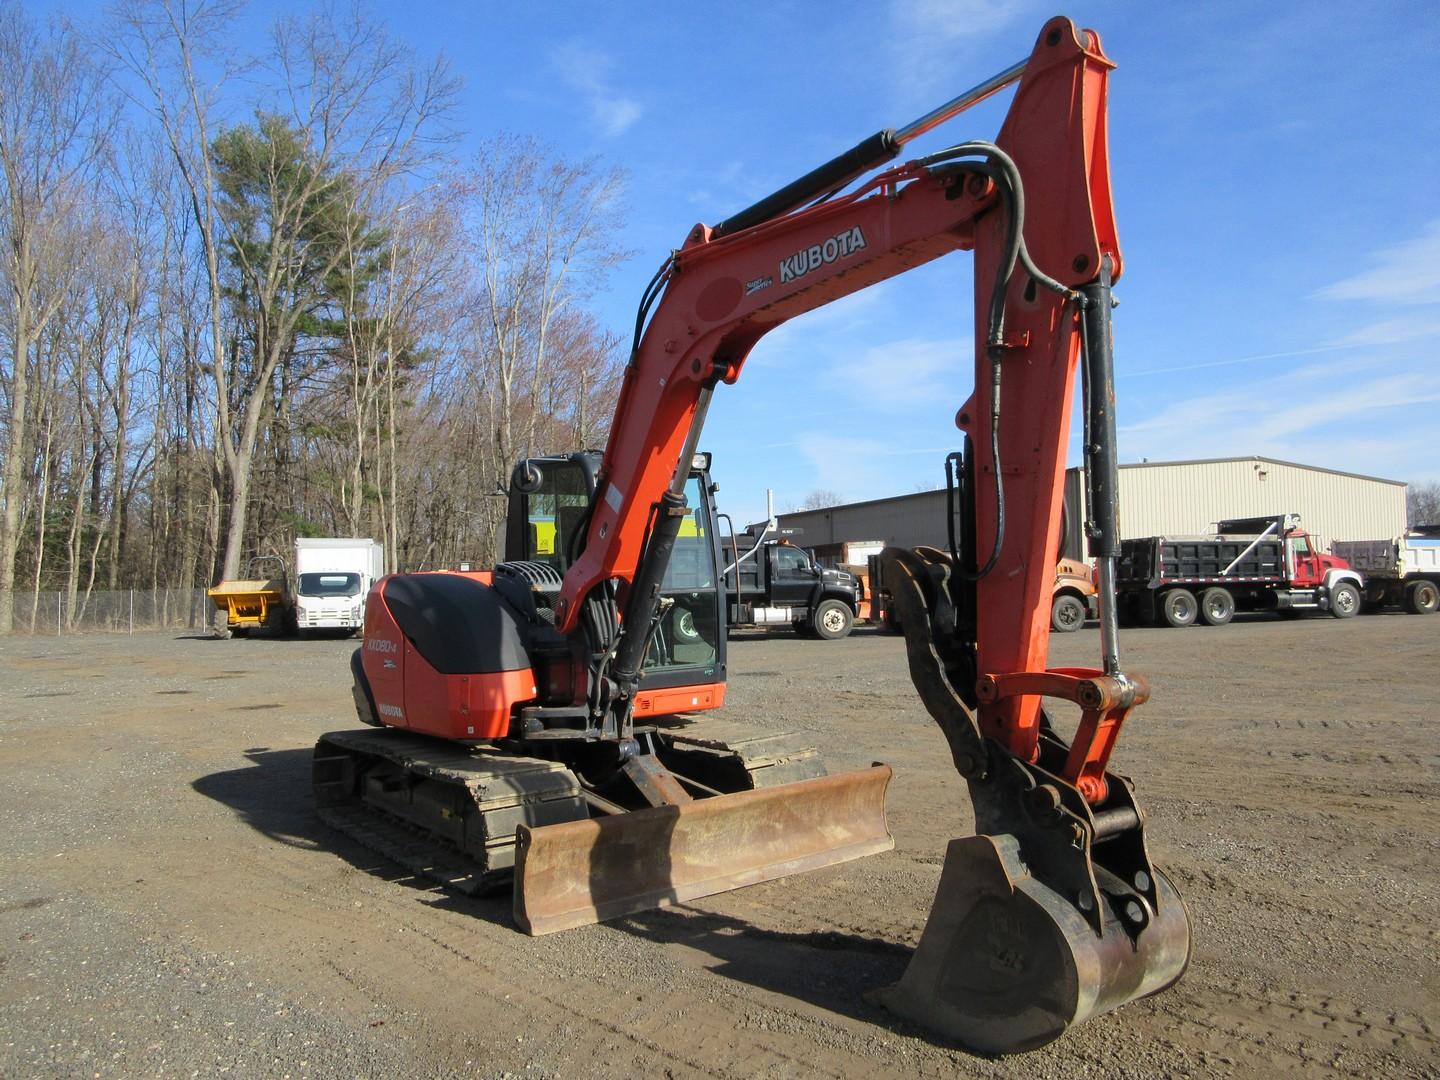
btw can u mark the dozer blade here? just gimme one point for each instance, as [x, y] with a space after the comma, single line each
[580, 872]
[1005, 964]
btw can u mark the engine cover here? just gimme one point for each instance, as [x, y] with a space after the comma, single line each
[446, 655]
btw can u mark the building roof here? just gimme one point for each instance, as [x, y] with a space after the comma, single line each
[867, 502]
[1127, 465]
[1256, 457]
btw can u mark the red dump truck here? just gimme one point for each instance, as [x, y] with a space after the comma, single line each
[1247, 564]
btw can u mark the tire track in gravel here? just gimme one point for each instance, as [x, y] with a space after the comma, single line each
[1268, 1030]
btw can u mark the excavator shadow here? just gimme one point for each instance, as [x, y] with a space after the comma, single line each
[272, 796]
[827, 969]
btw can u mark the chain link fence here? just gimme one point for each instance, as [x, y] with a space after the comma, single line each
[116, 611]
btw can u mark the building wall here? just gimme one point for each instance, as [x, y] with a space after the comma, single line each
[905, 521]
[1155, 499]
[1190, 497]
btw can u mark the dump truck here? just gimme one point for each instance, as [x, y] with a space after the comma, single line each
[771, 581]
[326, 591]
[1248, 564]
[261, 600]
[1404, 570]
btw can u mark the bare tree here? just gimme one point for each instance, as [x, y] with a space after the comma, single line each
[266, 310]
[544, 235]
[820, 499]
[54, 119]
[176, 50]
[1422, 504]
[359, 115]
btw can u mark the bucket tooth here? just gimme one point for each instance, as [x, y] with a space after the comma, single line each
[580, 872]
[1005, 964]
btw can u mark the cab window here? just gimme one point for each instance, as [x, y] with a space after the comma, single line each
[692, 561]
[1302, 547]
[690, 626]
[553, 512]
[791, 560]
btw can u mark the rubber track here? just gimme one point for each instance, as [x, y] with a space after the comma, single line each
[439, 809]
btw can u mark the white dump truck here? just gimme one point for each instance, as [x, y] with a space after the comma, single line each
[1404, 570]
[333, 575]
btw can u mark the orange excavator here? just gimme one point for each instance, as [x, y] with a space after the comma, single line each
[521, 729]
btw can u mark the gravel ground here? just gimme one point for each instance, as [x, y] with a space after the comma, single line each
[169, 906]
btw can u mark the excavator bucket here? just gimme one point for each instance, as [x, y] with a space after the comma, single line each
[1005, 964]
[580, 872]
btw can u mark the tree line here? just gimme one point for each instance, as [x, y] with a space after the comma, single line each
[250, 297]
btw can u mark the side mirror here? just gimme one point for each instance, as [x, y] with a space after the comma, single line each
[526, 478]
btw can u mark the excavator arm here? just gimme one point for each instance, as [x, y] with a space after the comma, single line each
[722, 294]
[1054, 912]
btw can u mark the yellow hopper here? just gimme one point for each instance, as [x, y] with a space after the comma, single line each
[252, 603]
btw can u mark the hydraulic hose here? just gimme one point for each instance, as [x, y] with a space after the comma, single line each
[1000, 168]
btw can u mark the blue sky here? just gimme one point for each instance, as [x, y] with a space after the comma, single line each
[1275, 181]
[1275, 170]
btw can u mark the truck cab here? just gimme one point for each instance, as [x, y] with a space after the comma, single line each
[1309, 567]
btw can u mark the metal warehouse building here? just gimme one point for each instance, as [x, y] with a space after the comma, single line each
[1156, 498]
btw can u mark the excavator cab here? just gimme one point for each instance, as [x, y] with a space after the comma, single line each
[550, 499]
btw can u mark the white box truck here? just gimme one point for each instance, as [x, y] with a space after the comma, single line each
[333, 575]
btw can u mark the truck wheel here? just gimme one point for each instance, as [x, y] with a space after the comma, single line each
[832, 620]
[1217, 606]
[1422, 597]
[1344, 600]
[1179, 607]
[1067, 614]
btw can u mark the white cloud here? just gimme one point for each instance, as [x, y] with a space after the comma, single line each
[1334, 414]
[1406, 273]
[587, 72]
[935, 24]
[932, 40]
[856, 468]
[1393, 332]
[1123, 373]
[900, 375]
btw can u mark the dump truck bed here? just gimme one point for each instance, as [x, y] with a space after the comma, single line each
[250, 603]
[1157, 560]
[1397, 558]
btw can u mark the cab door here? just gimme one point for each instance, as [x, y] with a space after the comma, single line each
[792, 577]
[1307, 562]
